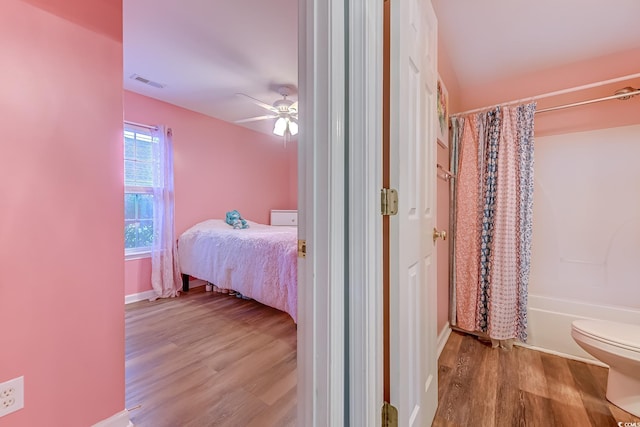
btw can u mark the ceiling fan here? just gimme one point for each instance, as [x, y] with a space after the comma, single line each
[283, 110]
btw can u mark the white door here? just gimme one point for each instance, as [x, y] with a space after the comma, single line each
[413, 353]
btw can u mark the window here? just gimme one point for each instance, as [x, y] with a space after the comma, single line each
[140, 166]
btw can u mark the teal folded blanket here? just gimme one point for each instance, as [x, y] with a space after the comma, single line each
[235, 220]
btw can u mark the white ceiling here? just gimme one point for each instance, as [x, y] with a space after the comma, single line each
[205, 51]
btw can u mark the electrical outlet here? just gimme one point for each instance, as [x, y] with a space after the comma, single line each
[11, 396]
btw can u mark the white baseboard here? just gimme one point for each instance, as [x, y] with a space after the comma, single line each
[443, 336]
[128, 299]
[121, 419]
[565, 355]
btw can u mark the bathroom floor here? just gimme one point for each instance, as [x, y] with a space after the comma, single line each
[482, 386]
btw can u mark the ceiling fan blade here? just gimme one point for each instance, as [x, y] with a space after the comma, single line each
[294, 106]
[253, 119]
[259, 103]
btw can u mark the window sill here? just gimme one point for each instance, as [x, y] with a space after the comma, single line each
[137, 255]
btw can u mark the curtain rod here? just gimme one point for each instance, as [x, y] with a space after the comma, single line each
[141, 125]
[555, 93]
[590, 101]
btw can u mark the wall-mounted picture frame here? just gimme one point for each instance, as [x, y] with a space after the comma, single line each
[443, 114]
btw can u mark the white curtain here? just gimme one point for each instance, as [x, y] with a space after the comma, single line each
[165, 273]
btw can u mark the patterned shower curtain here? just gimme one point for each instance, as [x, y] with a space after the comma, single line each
[492, 158]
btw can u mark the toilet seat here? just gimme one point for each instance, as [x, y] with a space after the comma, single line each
[622, 335]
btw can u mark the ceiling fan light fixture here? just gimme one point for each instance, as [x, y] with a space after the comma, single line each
[280, 126]
[293, 127]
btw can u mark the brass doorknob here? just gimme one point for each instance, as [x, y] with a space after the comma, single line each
[439, 235]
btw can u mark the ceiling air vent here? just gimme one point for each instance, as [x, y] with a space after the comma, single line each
[146, 81]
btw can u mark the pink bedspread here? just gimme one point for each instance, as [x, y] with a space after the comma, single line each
[260, 262]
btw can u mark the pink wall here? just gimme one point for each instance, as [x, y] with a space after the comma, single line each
[61, 215]
[442, 247]
[218, 167]
[596, 116]
[447, 74]
[137, 276]
[98, 16]
[293, 174]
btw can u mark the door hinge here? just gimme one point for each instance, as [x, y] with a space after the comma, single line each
[389, 415]
[302, 248]
[388, 201]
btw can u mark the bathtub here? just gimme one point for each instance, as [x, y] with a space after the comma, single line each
[550, 324]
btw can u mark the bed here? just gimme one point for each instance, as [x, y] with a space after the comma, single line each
[259, 262]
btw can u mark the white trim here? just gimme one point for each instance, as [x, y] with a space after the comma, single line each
[565, 355]
[306, 400]
[365, 225]
[121, 419]
[133, 255]
[335, 178]
[321, 184]
[141, 296]
[140, 125]
[443, 337]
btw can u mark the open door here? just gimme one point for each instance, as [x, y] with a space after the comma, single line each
[412, 288]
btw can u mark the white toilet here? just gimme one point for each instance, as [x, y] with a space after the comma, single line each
[617, 345]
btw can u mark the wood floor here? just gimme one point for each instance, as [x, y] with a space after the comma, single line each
[481, 386]
[207, 359]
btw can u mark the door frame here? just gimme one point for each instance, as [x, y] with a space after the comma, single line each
[365, 77]
[321, 207]
[340, 350]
